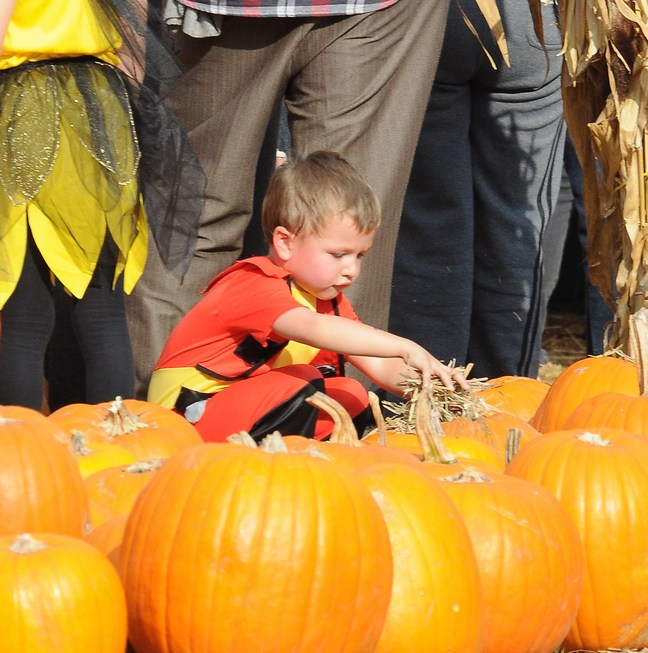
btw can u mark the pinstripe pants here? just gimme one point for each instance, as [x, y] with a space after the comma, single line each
[356, 84]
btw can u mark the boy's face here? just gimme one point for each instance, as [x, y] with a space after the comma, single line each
[325, 264]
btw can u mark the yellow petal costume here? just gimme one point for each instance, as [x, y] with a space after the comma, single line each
[70, 152]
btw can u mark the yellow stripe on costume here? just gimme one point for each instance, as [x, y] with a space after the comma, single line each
[296, 352]
[165, 384]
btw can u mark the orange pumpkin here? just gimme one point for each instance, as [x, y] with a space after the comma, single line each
[99, 456]
[41, 488]
[581, 380]
[601, 478]
[494, 430]
[436, 603]
[529, 556]
[454, 446]
[58, 593]
[146, 429]
[613, 410]
[16, 417]
[234, 548]
[518, 395]
[107, 537]
[115, 489]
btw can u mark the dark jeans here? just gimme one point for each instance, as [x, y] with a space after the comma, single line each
[598, 313]
[468, 275]
[82, 346]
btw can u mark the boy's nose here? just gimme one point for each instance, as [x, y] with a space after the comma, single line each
[351, 270]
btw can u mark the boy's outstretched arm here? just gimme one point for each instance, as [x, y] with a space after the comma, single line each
[356, 339]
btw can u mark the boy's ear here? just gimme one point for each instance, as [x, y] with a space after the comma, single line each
[282, 241]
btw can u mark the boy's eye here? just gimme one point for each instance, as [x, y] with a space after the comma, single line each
[337, 255]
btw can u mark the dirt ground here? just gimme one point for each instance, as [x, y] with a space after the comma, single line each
[563, 339]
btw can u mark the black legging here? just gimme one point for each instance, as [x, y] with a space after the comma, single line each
[82, 346]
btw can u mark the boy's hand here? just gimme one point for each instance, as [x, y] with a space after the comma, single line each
[419, 358]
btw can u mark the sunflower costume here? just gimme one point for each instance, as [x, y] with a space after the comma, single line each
[88, 151]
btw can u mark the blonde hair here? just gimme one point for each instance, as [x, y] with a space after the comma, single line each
[303, 192]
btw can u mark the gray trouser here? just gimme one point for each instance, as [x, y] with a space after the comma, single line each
[356, 84]
[486, 174]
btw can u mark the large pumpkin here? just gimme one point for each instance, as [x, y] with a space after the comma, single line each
[58, 593]
[437, 604]
[583, 379]
[518, 395]
[601, 478]
[147, 429]
[41, 488]
[231, 548]
[529, 556]
[613, 410]
[16, 417]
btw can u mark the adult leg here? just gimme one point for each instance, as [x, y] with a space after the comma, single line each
[597, 313]
[360, 87]
[233, 86]
[100, 327]
[431, 299]
[518, 144]
[555, 241]
[64, 360]
[433, 273]
[27, 322]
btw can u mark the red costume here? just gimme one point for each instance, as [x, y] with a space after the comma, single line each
[226, 370]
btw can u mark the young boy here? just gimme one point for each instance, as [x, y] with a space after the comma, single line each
[273, 329]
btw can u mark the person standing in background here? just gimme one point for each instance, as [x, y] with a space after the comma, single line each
[469, 263]
[355, 77]
[570, 279]
[81, 139]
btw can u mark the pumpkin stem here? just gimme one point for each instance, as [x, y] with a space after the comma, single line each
[243, 438]
[513, 437]
[593, 438]
[79, 444]
[25, 543]
[374, 402]
[144, 466]
[120, 420]
[469, 475]
[273, 443]
[638, 346]
[344, 430]
[316, 452]
[429, 432]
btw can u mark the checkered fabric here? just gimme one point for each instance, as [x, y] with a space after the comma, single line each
[287, 8]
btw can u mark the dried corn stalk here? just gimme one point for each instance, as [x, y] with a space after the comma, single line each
[492, 16]
[605, 89]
